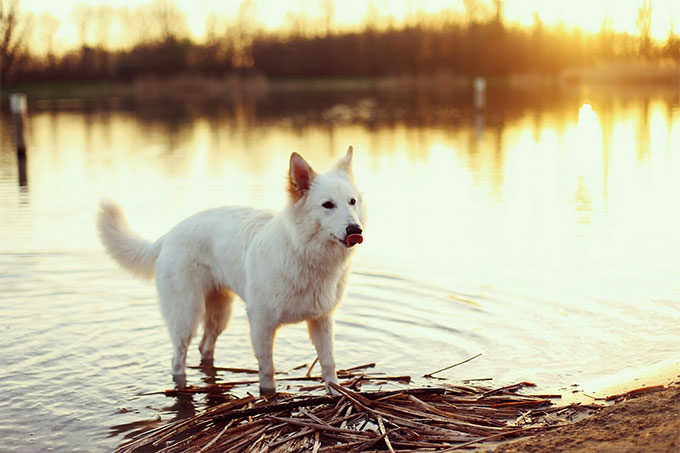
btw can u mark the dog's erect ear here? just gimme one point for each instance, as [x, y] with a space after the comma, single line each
[345, 163]
[300, 176]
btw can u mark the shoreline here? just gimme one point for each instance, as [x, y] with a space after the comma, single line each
[645, 423]
[646, 419]
[623, 75]
[665, 372]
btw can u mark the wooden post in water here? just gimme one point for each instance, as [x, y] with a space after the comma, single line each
[479, 89]
[479, 102]
[17, 105]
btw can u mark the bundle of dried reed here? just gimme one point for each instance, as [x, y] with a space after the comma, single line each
[439, 418]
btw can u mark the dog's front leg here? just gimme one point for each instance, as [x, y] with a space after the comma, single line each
[262, 337]
[321, 334]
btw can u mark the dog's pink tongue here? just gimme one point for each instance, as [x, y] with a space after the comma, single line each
[354, 239]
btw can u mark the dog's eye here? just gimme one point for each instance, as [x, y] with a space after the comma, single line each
[352, 202]
[328, 205]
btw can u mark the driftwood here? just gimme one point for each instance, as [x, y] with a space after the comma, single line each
[436, 418]
[307, 402]
[431, 375]
[635, 393]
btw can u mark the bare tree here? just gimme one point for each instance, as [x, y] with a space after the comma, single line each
[136, 25]
[498, 6]
[211, 34]
[671, 48]
[48, 26]
[216, 45]
[644, 25]
[299, 21]
[474, 9]
[606, 38]
[371, 17]
[169, 19]
[328, 7]
[82, 15]
[103, 18]
[14, 29]
[243, 34]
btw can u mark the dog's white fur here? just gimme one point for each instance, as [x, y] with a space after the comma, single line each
[287, 267]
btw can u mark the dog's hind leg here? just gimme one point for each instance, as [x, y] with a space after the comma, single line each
[182, 305]
[218, 308]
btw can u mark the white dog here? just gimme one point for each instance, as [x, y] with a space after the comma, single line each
[287, 267]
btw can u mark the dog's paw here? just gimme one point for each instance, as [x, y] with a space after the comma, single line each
[208, 363]
[266, 391]
[331, 391]
[180, 380]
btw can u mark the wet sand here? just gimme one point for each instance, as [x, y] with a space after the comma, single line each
[648, 423]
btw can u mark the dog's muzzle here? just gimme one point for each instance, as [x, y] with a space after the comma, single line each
[353, 236]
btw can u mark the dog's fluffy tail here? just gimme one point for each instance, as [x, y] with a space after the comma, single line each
[131, 252]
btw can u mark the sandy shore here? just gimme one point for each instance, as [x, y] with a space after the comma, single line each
[646, 423]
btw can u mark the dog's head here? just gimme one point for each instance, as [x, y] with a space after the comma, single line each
[328, 205]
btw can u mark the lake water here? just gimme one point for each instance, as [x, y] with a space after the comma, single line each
[542, 232]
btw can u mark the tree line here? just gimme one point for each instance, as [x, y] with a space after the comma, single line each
[477, 43]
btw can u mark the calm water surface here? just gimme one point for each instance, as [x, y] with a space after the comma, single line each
[542, 233]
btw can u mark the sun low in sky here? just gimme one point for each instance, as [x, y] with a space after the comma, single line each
[589, 15]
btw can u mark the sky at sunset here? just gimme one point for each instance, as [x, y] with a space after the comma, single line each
[270, 14]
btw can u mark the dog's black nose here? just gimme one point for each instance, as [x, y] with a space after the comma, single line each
[353, 229]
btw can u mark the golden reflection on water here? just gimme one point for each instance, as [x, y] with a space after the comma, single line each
[564, 204]
[482, 190]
